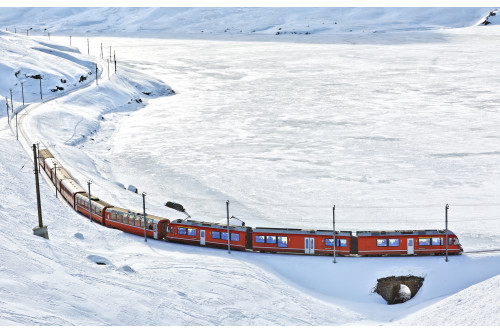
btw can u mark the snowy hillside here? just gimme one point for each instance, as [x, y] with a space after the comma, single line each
[129, 128]
[236, 21]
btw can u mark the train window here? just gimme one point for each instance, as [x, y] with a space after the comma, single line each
[341, 242]
[381, 242]
[453, 241]
[437, 241]
[224, 236]
[215, 235]
[191, 232]
[329, 242]
[260, 239]
[283, 242]
[181, 230]
[393, 242]
[270, 239]
[235, 237]
[424, 241]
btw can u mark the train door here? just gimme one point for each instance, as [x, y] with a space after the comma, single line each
[155, 227]
[410, 246]
[309, 245]
[202, 237]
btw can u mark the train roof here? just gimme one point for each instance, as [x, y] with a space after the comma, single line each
[72, 186]
[198, 223]
[62, 174]
[85, 196]
[44, 154]
[51, 162]
[128, 212]
[403, 232]
[300, 231]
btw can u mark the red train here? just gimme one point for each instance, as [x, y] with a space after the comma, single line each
[244, 238]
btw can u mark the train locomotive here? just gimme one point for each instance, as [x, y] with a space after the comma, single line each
[245, 238]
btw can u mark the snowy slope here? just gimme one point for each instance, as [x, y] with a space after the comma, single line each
[171, 21]
[157, 283]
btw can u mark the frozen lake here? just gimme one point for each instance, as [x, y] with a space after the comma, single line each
[387, 127]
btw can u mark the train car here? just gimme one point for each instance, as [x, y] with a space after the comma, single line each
[133, 222]
[42, 155]
[69, 188]
[49, 165]
[418, 242]
[98, 207]
[208, 234]
[286, 240]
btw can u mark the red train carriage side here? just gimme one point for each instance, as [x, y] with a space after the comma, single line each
[407, 242]
[133, 222]
[69, 188]
[300, 241]
[98, 207]
[207, 234]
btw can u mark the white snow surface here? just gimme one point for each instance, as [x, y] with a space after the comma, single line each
[389, 126]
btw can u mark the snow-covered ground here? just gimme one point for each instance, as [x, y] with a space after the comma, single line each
[388, 126]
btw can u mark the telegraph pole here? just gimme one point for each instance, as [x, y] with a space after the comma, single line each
[7, 104]
[144, 211]
[228, 236]
[40, 230]
[22, 90]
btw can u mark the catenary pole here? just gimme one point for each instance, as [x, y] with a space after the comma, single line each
[228, 236]
[334, 241]
[446, 230]
[90, 201]
[38, 203]
[144, 211]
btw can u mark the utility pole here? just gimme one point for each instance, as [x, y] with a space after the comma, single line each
[11, 104]
[96, 74]
[17, 132]
[22, 90]
[115, 60]
[334, 241]
[228, 236]
[40, 230]
[7, 105]
[446, 230]
[90, 201]
[55, 176]
[144, 211]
